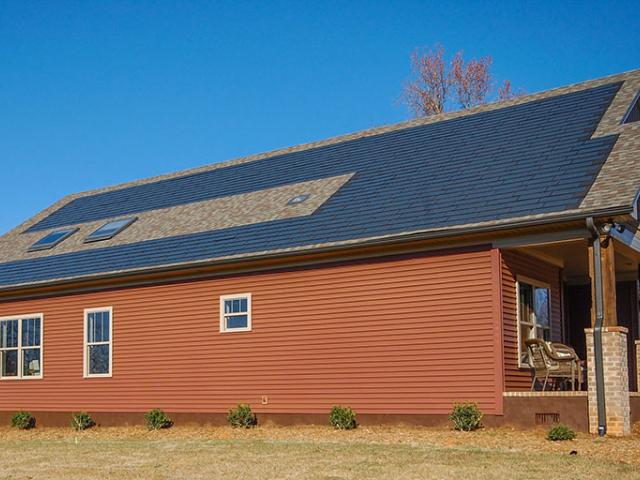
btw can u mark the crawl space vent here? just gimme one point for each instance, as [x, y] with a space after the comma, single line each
[547, 418]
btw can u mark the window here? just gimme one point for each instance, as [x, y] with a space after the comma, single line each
[109, 230]
[633, 114]
[52, 239]
[534, 318]
[298, 199]
[98, 327]
[235, 313]
[21, 347]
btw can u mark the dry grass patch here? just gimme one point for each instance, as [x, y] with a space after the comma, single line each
[310, 452]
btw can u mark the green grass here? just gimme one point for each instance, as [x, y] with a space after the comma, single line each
[205, 458]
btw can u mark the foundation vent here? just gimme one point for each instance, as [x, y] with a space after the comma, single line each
[547, 418]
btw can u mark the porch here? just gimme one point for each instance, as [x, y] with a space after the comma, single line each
[548, 292]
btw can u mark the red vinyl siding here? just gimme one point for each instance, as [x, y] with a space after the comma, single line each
[514, 264]
[398, 335]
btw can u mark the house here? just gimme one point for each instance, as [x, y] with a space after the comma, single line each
[396, 270]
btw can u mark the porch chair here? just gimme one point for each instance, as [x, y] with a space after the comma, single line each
[553, 361]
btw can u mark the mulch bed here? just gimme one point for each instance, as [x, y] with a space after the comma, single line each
[623, 450]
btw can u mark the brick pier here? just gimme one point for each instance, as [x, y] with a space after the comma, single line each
[616, 380]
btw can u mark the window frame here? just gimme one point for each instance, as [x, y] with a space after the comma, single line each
[636, 206]
[66, 233]
[20, 348]
[86, 344]
[223, 315]
[535, 284]
[630, 109]
[95, 237]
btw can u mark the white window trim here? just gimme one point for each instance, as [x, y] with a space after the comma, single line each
[534, 283]
[19, 349]
[223, 324]
[85, 344]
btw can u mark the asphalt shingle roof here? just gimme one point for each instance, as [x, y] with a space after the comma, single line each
[527, 158]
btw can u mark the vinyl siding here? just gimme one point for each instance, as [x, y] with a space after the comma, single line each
[398, 335]
[514, 264]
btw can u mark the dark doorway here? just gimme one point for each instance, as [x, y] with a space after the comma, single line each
[627, 310]
[578, 317]
[578, 312]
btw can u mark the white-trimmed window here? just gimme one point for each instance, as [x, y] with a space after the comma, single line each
[98, 333]
[534, 314]
[235, 313]
[21, 346]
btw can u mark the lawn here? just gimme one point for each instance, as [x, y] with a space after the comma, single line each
[310, 453]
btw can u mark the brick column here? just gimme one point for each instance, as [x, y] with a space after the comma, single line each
[616, 381]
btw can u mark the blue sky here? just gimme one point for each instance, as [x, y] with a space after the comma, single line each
[98, 93]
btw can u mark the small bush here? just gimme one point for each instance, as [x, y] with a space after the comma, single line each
[342, 418]
[242, 417]
[157, 419]
[81, 421]
[466, 417]
[23, 420]
[561, 432]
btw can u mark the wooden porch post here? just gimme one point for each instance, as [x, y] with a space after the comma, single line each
[608, 282]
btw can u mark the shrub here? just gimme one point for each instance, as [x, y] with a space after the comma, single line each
[82, 421]
[560, 432]
[157, 419]
[466, 417]
[23, 420]
[242, 417]
[342, 418]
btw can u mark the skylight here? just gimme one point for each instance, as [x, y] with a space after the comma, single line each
[51, 239]
[633, 114]
[109, 229]
[298, 199]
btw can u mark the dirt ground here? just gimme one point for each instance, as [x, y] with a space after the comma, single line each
[311, 452]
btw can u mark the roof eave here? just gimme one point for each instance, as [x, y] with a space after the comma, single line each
[605, 213]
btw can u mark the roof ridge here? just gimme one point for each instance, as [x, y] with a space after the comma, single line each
[368, 132]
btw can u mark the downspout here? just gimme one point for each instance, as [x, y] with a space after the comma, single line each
[597, 328]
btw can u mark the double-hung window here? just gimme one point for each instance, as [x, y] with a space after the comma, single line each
[21, 347]
[534, 315]
[98, 329]
[235, 313]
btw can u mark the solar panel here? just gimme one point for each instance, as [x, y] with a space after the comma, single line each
[51, 239]
[109, 229]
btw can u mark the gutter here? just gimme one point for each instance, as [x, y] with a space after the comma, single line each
[597, 329]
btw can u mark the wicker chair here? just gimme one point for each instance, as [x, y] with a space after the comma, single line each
[553, 361]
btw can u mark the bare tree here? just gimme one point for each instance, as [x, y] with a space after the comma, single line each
[506, 91]
[472, 80]
[427, 93]
[438, 85]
